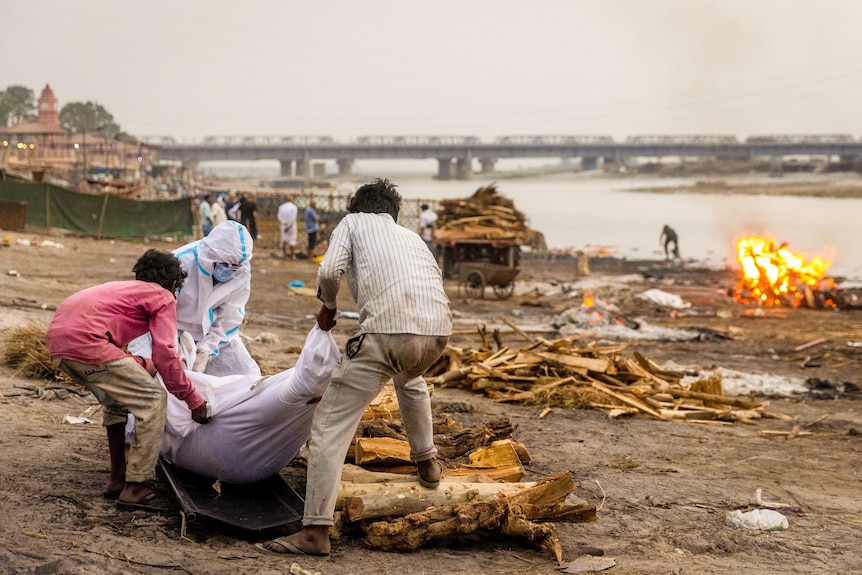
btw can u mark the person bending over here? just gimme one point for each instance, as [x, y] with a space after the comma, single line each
[87, 338]
[404, 325]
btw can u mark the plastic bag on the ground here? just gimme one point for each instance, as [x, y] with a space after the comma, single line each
[761, 519]
[664, 299]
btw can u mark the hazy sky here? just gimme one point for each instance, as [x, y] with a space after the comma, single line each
[192, 68]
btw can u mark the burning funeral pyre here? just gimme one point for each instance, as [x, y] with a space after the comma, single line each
[772, 275]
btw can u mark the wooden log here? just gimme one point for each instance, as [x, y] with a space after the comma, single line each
[719, 399]
[505, 514]
[575, 362]
[399, 499]
[382, 452]
[384, 406]
[499, 461]
[474, 437]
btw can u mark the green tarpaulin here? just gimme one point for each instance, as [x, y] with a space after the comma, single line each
[100, 216]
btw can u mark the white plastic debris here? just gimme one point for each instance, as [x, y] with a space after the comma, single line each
[72, 420]
[758, 519]
[22, 242]
[50, 244]
[13, 273]
[664, 299]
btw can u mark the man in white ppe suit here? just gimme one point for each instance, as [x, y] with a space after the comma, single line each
[211, 303]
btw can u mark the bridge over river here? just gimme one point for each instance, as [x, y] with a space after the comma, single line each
[459, 156]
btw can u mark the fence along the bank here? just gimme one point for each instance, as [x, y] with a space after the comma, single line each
[103, 215]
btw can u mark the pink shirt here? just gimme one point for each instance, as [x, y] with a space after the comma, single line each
[95, 325]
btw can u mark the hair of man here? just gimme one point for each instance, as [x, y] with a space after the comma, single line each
[377, 197]
[162, 268]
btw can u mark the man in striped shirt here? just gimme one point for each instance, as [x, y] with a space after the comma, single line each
[405, 323]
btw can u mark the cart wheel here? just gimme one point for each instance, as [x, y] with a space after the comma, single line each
[474, 284]
[506, 291]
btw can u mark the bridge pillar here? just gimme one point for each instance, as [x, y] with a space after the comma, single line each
[344, 166]
[286, 167]
[464, 168]
[302, 167]
[589, 163]
[487, 165]
[444, 168]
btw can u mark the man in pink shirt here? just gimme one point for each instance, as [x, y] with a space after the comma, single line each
[87, 339]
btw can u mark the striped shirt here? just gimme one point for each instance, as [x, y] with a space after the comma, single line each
[392, 275]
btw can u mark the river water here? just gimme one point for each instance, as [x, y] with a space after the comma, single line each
[604, 214]
[598, 213]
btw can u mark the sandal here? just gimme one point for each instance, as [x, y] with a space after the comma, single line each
[429, 482]
[150, 502]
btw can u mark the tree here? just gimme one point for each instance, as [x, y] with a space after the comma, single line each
[5, 109]
[19, 103]
[89, 117]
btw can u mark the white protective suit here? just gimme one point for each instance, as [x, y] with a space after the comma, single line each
[259, 424]
[212, 314]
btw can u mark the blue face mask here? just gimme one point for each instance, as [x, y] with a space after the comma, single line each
[223, 274]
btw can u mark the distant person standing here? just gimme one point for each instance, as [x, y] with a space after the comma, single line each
[219, 214]
[231, 206]
[312, 226]
[248, 213]
[206, 215]
[287, 213]
[427, 220]
[667, 237]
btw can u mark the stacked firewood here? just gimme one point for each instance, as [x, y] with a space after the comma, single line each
[563, 373]
[481, 487]
[486, 215]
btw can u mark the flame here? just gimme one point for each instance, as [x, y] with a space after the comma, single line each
[774, 275]
[588, 300]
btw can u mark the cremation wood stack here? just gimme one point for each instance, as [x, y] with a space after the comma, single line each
[486, 215]
[481, 489]
[563, 373]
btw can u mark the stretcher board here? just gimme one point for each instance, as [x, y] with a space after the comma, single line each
[254, 507]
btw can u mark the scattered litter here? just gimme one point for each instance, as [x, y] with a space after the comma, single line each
[664, 299]
[13, 273]
[297, 569]
[758, 519]
[588, 564]
[296, 284]
[22, 242]
[72, 420]
[854, 344]
[50, 244]
[348, 314]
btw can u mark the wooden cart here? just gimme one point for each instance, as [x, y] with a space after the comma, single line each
[479, 263]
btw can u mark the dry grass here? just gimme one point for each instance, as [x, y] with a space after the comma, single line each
[25, 349]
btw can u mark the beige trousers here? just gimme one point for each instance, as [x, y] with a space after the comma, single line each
[124, 387]
[369, 362]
